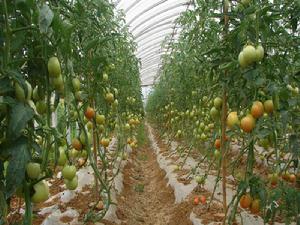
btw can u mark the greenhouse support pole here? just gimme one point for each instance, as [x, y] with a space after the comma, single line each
[223, 122]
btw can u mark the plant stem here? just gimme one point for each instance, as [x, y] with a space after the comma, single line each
[223, 121]
[28, 209]
[223, 149]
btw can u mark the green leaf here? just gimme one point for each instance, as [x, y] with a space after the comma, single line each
[45, 18]
[19, 116]
[7, 100]
[260, 81]
[17, 164]
[91, 44]
[5, 86]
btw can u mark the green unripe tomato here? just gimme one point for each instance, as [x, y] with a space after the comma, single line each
[41, 192]
[20, 92]
[71, 184]
[105, 77]
[109, 97]
[116, 92]
[84, 154]
[33, 170]
[259, 51]
[200, 179]
[249, 54]
[100, 119]
[82, 138]
[127, 127]
[218, 102]
[29, 91]
[203, 137]
[62, 159]
[73, 153]
[41, 107]
[214, 113]
[202, 125]
[101, 128]
[54, 67]
[69, 172]
[58, 82]
[295, 91]
[89, 125]
[36, 94]
[242, 60]
[111, 66]
[78, 95]
[115, 103]
[217, 154]
[76, 84]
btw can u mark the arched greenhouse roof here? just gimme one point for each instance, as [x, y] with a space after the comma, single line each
[150, 22]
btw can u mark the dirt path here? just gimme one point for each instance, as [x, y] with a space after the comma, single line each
[146, 199]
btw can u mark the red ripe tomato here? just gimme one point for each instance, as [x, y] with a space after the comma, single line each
[89, 113]
[202, 199]
[245, 201]
[196, 200]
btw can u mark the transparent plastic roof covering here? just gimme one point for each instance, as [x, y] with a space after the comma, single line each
[150, 22]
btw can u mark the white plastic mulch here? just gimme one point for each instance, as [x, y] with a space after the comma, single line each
[181, 191]
[85, 177]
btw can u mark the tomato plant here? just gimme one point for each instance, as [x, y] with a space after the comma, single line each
[235, 70]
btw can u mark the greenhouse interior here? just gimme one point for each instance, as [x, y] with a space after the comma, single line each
[155, 112]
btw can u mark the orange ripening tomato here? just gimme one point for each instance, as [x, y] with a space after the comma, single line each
[248, 123]
[245, 201]
[89, 113]
[76, 144]
[257, 109]
[255, 206]
[217, 143]
[292, 178]
[104, 142]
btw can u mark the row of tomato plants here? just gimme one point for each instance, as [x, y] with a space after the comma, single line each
[69, 82]
[232, 79]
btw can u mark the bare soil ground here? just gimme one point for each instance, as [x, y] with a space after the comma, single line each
[146, 198]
